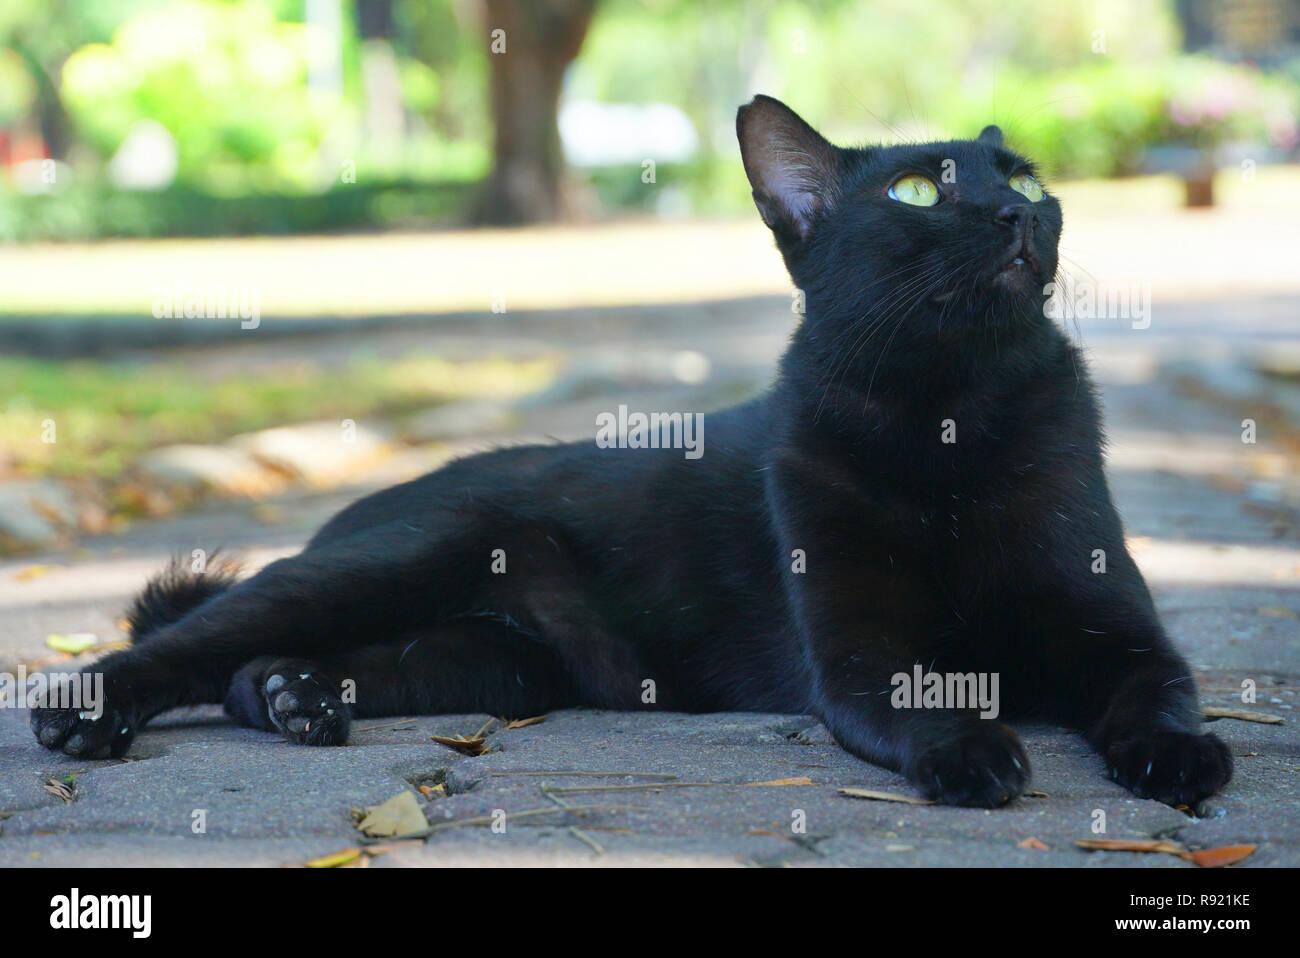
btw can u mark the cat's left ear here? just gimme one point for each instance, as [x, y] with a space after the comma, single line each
[992, 135]
[794, 171]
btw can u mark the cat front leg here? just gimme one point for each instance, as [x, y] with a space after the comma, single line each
[1110, 670]
[867, 615]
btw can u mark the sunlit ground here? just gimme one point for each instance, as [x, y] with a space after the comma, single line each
[1131, 231]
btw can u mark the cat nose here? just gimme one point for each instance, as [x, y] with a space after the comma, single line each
[1018, 216]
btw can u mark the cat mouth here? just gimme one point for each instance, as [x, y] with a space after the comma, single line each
[1020, 263]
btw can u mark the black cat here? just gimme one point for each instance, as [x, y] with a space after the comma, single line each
[922, 488]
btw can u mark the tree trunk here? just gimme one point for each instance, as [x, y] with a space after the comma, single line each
[541, 37]
[51, 117]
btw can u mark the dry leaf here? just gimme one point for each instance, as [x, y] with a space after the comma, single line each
[469, 745]
[1224, 855]
[884, 796]
[400, 815]
[1132, 845]
[74, 643]
[1244, 715]
[433, 791]
[1032, 842]
[785, 781]
[335, 860]
[1276, 612]
[34, 572]
[384, 847]
[525, 722]
[1205, 857]
[62, 789]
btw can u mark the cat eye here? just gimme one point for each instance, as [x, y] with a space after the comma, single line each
[915, 190]
[1026, 185]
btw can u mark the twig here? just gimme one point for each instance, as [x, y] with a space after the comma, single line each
[404, 723]
[574, 830]
[508, 772]
[647, 786]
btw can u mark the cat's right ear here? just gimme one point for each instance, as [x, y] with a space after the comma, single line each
[792, 168]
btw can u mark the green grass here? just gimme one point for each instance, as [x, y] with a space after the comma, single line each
[105, 414]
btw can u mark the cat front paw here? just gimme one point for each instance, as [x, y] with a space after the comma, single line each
[983, 767]
[86, 729]
[1177, 768]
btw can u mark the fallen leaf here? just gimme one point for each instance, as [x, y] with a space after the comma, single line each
[268, 514]
[1244, 715]
[400, 815]
[1032, 842]
[525, 722]
[803, 780]
[30, 572]
[74, 643]
[1131, 845]
[1224, 855]
[884, 796]
[1205, 857]
[335, 860]
[469, 745]
[433, 791]
[61, 789]
[384, 847]
[1276, 612]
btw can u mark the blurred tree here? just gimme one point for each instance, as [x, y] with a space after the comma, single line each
[531, 42]
[43, 33]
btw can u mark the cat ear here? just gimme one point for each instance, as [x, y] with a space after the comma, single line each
[991, 135]
[792, 169]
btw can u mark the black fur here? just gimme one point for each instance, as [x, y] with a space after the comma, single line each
[175, 592]
[640, 578]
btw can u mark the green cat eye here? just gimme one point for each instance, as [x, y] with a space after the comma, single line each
[915, 191]
[1027, 185]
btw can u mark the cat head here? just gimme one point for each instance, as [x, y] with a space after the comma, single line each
[958, 232]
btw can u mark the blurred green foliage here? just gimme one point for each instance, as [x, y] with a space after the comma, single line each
[1084, 86]
[86, 211]
[110, 412]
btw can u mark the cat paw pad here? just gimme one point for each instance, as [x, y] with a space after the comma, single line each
[305, 706]
[104, 731]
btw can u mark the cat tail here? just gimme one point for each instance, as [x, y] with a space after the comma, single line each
[174, 592]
